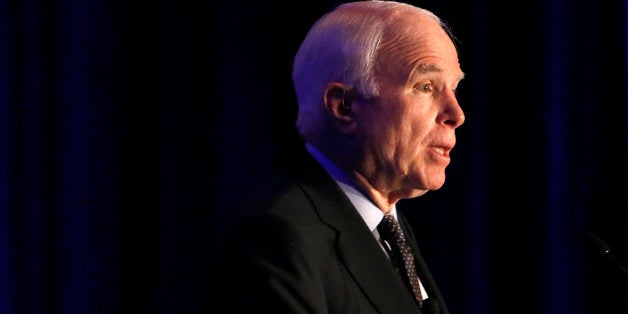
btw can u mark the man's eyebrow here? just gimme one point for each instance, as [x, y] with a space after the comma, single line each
[431, 68]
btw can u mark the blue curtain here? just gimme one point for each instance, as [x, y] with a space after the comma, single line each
[128, 130]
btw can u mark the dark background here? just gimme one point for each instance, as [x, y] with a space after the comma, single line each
[129, 129]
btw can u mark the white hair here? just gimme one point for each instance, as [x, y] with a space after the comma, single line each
[342, 46]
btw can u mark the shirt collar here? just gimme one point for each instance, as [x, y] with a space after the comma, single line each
[370, 213]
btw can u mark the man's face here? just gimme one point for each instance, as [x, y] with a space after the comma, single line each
[408, 131]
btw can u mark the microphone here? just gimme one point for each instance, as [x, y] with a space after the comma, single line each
[604, 250]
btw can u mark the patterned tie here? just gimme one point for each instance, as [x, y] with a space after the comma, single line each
[400, 254]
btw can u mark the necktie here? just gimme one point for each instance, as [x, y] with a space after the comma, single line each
[400, 255]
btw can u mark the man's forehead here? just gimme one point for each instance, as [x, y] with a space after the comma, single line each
[429, 67]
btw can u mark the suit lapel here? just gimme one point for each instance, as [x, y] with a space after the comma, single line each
[356, 245]
[372, 270]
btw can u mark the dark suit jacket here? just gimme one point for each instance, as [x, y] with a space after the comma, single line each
[304, 248]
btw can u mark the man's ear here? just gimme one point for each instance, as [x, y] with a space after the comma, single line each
[339, 104]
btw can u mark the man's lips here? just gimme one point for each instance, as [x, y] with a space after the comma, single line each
[442, 149]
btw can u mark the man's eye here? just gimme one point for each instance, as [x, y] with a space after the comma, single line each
[425, 88]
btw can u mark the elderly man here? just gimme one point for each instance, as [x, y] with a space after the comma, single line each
[375, 82]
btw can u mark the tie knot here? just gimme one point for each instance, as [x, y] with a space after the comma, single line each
[390, 230]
